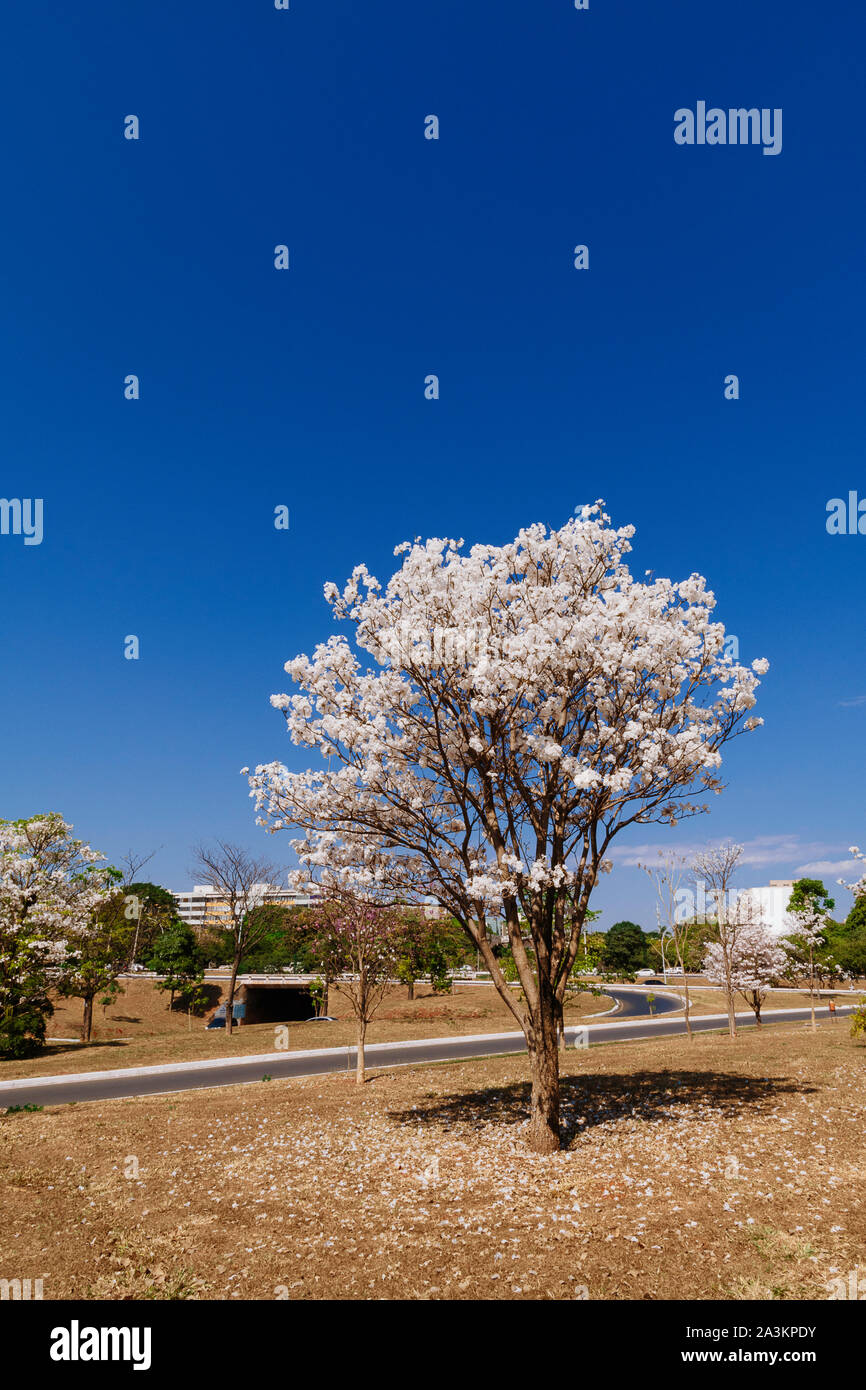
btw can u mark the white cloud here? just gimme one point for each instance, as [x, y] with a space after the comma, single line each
[763, 851]
[829, 866]
[854, 703]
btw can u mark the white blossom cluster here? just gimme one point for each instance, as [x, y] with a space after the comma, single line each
[858, 888]
[758, 959]
[50, 888]
[809, 924]
[596, 701]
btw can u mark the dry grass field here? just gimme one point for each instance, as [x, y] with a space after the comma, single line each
[714, 1169]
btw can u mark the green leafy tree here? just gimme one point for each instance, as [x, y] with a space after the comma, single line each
[281, 938]
[856, 919]
[96, 958]
[695, 934]
[177, 958]
[448, 949]
[432, 948]
[150, 909]
[810, 894]
[590, 955]
[440, 969]
[319, 996]
[700, 935]
[847, 940]
[625, 949]
[414, 952]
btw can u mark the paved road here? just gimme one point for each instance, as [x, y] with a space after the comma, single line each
[632, 1003]
[631, 1021]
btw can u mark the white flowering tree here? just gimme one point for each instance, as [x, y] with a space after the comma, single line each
[715, 869]
[667, 875]
[756, 961]
[51, 885]
[808, 934]
[858, 888]
[520, 706]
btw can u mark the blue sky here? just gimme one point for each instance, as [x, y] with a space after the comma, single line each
[408, 256]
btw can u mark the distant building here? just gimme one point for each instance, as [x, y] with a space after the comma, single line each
[771, 904]
[203, 906]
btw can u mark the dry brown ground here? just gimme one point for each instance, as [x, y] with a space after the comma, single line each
[704, 1170]
[153, 1035]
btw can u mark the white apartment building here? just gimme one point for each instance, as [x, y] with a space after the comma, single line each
[771, 904]
[205, 906]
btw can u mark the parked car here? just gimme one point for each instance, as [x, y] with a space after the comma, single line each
[219, 1018]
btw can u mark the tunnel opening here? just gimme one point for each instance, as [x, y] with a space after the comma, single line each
[277, 1004]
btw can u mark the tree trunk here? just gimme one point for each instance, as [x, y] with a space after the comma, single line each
[359, 1070]
[729, 990]
[410, 990]
[87, 1024]
[544, 1114]
[681, 964]
[231, 996]
[325, 996]
[544, 1070]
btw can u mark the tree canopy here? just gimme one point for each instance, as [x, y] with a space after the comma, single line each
[626, 948]
[526, 704]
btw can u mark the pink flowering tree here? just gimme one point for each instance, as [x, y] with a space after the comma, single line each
[756, 961]
[359, 945]
[501, 715]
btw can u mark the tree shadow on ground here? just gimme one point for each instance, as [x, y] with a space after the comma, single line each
[56, 1049]
[586, 1101]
